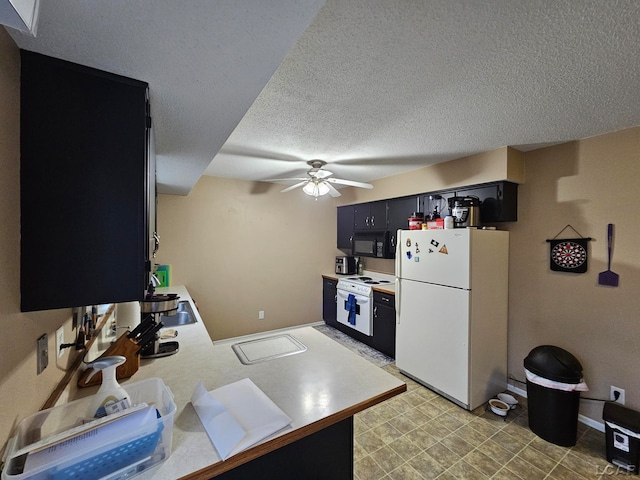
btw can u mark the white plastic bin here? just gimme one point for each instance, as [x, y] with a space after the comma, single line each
[111, 450]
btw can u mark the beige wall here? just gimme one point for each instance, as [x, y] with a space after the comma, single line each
[22, 392]
[240, 247]
[588, 184]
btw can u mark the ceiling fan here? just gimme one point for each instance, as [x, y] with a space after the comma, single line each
[319, 181]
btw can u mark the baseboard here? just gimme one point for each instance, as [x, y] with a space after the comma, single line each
[581, 418]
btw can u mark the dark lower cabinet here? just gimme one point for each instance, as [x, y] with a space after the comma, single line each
[384, 323]
[326, 454]
[85, 190]
[329, 308]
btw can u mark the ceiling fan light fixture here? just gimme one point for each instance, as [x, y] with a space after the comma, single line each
[316, 189]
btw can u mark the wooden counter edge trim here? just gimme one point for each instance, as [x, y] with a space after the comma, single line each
[73, 368]
[278, 442]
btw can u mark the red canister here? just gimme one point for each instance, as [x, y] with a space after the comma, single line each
[416, 220]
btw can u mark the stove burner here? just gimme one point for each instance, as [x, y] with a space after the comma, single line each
[368, 280]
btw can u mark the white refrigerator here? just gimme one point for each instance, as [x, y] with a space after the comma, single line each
[451, 311]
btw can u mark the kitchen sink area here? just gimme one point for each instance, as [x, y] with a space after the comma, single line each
[183, 316]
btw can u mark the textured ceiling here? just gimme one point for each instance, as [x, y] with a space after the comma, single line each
[378, 87]
[205, 62]
[372, 87]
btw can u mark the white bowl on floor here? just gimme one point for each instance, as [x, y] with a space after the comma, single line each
[508, 399]
[499, 407]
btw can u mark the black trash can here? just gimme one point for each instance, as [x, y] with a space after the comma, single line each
[622, 429]
[553, 412]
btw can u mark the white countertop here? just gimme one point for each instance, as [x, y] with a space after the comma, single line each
[316, 388]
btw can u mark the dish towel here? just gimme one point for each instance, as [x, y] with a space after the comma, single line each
[351, 308]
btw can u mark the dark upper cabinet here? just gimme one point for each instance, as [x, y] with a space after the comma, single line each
[370, 216]
[498, 200]
[85, 185]
[345, 228]
[398, 212]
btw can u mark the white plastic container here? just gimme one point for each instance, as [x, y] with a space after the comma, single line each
[121, 456]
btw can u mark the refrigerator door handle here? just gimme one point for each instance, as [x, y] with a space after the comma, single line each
[398, 274]
[398, 262]
[398, 302]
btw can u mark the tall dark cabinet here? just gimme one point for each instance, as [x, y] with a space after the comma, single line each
[86, 187]
[345, 228]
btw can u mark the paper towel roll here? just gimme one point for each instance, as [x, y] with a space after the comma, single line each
[128, 315]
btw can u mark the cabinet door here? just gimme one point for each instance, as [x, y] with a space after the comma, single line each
[345, 228]
[499, 201]
[384, 323]
[361, 214]
[370, 216]
[329, 308]
[83, 185]
[378, 215]
[398, 212]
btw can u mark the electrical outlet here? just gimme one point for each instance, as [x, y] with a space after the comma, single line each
[42, 353]
[261, 315]
[59, 341]
[620, 395]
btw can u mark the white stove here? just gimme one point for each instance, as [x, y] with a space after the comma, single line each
[355, 302]
[361, 285]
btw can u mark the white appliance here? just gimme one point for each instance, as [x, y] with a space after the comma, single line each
[451, 311]
[361, 287]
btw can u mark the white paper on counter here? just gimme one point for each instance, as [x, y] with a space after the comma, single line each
[237, 416]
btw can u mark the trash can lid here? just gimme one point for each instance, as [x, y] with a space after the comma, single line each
[621, 416]
[554, 363]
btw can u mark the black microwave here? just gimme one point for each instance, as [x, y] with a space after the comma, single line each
[372, 244]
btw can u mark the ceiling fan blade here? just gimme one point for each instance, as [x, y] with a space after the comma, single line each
[332, 191]
[321, 174]
[350, 183]
[292, 187]
[296, 179]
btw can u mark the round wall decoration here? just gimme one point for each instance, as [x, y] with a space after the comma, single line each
[569, 254]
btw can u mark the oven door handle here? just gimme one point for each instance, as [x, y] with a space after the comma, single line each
[360, 299]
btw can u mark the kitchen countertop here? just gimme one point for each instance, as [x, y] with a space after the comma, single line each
[306, 386]
[389, 288]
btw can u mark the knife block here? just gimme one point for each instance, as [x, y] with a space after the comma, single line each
[123, 346]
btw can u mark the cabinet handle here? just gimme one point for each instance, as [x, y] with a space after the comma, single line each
[351, 239]
[335, 298]
[375, 311]
[366, 221]
[393, 241]
[373, 221]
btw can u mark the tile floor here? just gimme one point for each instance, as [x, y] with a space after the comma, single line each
[421, 435]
